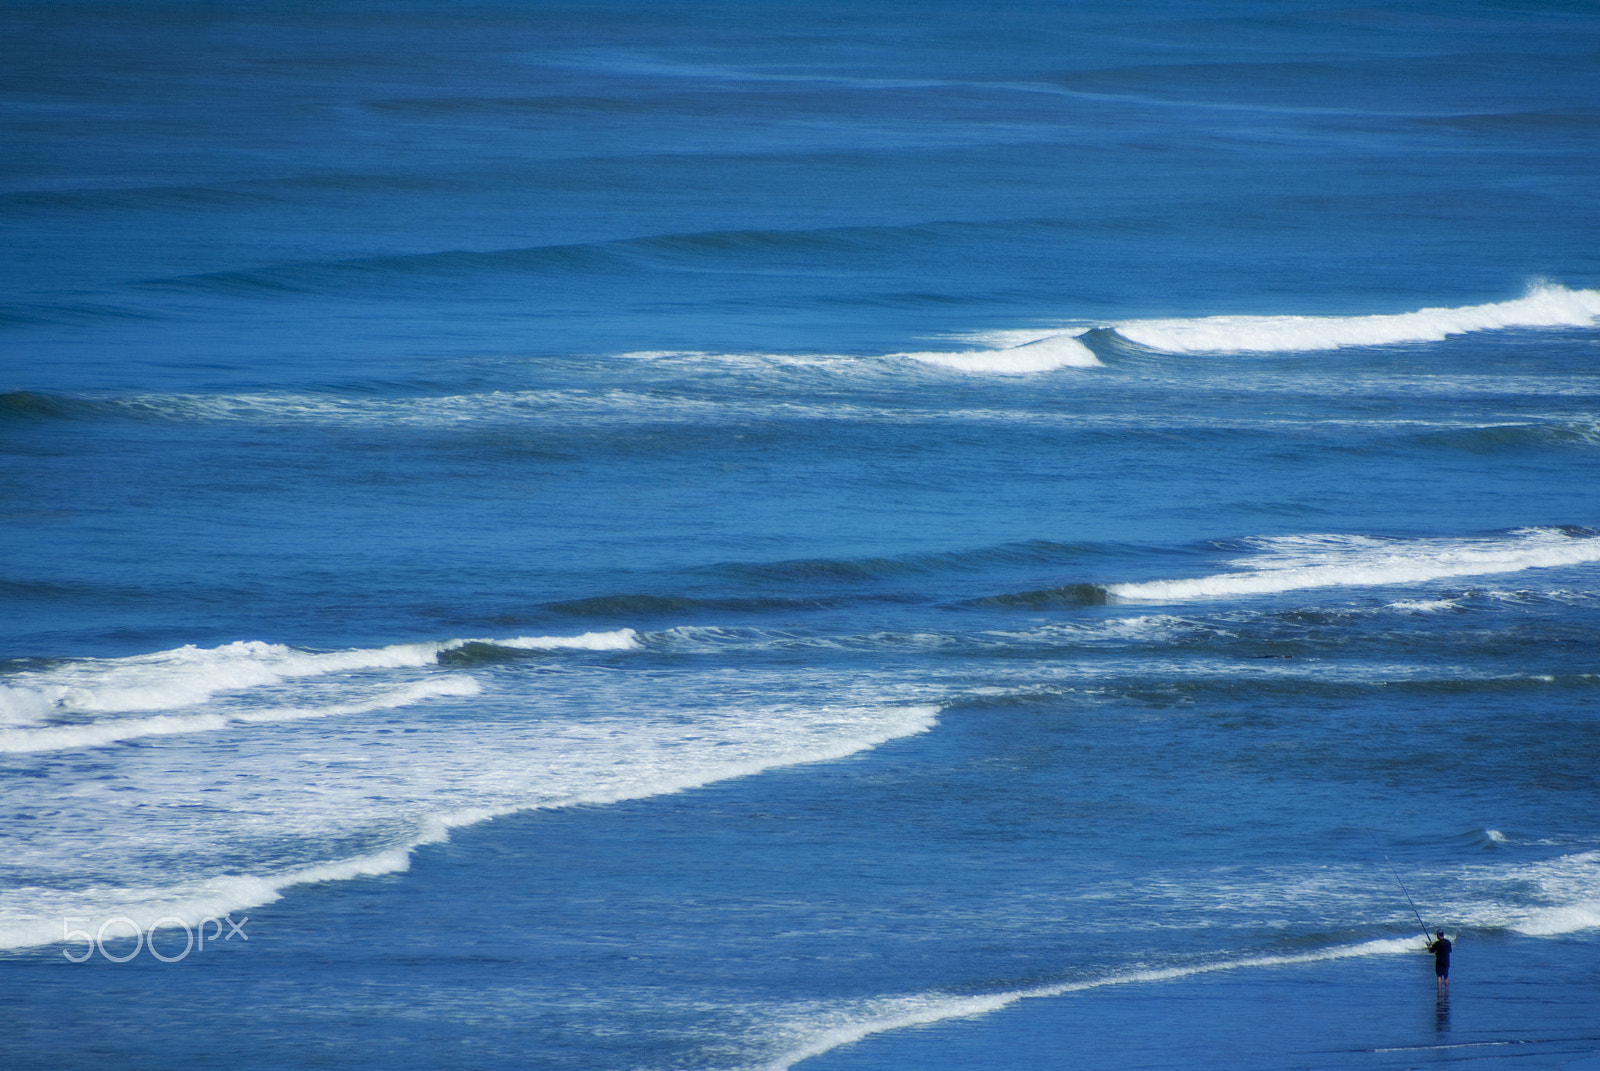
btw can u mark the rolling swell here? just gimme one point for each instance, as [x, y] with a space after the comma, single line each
[627, 606]
[733, 250]
[1513, 437]
[1112, 348]
[775, 581]
[23, 405]
[1027, 552]
[36, 406]
[483, 652]
[35, 314]
[126, 198]
[1065, 597]
[396, 272]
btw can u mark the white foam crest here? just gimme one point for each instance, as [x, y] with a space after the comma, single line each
[1546, 305]
[1554, 921]
[622, 639]
[1571, 885]
[1546, 898]
[67, 737]
[1425, 606]
[1335, 561]
[906, 1012]
[866, 735]
[188, 676]
[25, 705]
[184, 677]
[1044, 355]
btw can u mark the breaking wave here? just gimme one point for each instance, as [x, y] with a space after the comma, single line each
[64, 737]
[1546, 305]
[189, 676]
[1043, 355]
[1293, 563]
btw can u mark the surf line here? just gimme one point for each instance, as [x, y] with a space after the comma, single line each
[1475, 1045]
[914, 1012]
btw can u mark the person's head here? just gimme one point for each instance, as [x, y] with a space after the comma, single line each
[1441, 935]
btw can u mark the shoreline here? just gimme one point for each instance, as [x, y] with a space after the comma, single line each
[1531, 998]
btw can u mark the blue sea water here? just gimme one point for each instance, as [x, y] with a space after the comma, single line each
[724, 535]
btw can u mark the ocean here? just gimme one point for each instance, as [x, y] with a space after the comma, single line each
[746, 536]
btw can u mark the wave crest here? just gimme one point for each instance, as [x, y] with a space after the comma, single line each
[1546, 305]
[1320, 561]
[189, 676]
[1043, 355]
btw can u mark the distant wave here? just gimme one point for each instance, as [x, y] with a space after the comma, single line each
[633, 605]
[812, 570]
[1291, 563]
[707, 250]
[1491, 438]
[844, 576]
[1547, 305]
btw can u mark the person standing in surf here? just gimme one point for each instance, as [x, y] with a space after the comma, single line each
[1440, 947]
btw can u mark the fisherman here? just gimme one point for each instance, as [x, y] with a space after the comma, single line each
[1441, 961]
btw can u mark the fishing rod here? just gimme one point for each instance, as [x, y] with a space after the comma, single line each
[1402, 885]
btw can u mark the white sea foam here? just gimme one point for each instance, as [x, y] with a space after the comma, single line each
[183, 677]
[622, 639]
[1545, 898]
[845, 1028]
[1149, 628]
[1115, 631]
[1043, 355]
[185, 904]
[417, 786]
[97, 734]
[1546, 305]
[1570, 889]
[1568, 918]
[1298, 562]
[1425, 606]
[189, 676]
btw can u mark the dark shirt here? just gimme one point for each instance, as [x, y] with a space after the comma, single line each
[1441, 956]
